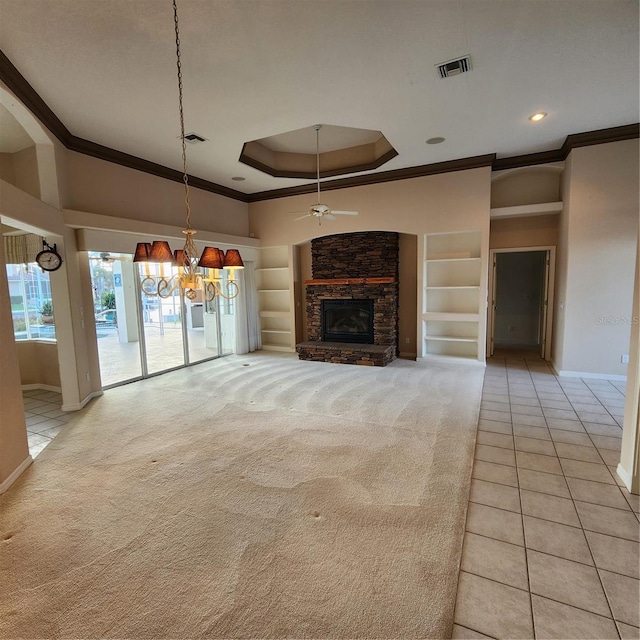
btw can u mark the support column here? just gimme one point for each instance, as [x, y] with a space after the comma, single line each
[14, 448]
[629, 467]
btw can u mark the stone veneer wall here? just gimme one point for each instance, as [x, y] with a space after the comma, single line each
[366, 254]
[369, 254]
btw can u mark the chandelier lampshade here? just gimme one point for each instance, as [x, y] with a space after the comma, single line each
[211, 258]
[233, 260]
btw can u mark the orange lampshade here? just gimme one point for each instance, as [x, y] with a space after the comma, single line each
[143, 249]
[180, 258]
[211, 258]
[160, 252]
[232, 259]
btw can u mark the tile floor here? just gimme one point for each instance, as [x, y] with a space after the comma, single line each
[45, 418]
[551, 547]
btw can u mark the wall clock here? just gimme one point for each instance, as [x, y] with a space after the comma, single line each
[49, 259]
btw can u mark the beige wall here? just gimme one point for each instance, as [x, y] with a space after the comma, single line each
[408, 295]
[598, 231]
[25, 166]
[38, 363]
[529, 231]
[14, 450]
[109, 189]
[7, 172]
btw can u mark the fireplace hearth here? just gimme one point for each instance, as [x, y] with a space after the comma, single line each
[347, 321]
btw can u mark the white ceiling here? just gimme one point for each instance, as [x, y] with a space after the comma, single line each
[256, 68]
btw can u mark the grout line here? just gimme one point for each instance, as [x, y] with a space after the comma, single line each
[524, 534]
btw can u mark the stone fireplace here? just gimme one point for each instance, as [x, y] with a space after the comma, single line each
[352, 299]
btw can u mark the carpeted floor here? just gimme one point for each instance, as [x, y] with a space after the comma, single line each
[253, 497]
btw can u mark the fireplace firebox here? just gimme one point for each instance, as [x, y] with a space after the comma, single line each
[347, 321]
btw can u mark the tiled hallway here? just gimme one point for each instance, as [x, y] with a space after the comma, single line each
[551, 548]
[45, 418]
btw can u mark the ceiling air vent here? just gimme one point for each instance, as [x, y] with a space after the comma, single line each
[194, 138]
[454, 67]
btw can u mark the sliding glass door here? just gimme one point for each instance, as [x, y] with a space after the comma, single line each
[141, 334]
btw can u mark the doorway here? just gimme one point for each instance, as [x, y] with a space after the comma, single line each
[521, 291]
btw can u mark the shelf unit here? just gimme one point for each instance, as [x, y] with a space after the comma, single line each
[451, 307]
[275, 294]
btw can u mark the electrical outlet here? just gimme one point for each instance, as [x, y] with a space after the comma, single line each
[406, 340]
[625, 359]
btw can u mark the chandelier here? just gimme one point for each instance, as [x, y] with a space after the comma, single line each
[194, 274]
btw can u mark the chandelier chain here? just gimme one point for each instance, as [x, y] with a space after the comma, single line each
[185, 176]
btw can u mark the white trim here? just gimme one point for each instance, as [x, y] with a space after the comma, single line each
[542, 209]
[16, 473]
[587, 374]
[44, 387]
[439, 358]
[624, 476]
[81, 405]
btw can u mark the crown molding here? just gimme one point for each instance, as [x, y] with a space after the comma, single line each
[16, 82]
[375, 178]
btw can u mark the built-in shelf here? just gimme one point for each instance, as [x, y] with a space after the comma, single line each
[451, 317]
[275, 294]
[538, 209]
[451, 339]
[454, 287]
[452, 260]
[451, 308]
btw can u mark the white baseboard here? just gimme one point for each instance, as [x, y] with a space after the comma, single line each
[14, 476]
[624, 476]
[83, 404]
[592, 376]
[44, 387]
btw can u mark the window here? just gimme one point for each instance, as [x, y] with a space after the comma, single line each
[31, 302]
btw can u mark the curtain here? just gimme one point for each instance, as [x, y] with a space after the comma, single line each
[247, 314]
[22, 249]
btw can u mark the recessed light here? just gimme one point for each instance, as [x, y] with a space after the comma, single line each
[436, 140]
[536, 117]
[238, 178]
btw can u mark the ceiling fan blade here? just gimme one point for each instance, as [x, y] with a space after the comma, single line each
[345, 213]
[306, 215]
[329, 216]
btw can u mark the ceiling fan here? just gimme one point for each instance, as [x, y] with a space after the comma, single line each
[319, 210]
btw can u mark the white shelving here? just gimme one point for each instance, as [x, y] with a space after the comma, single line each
[451, 308]
[275, 299]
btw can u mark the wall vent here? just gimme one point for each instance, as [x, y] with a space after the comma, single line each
[194, 138]
[454, 67]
